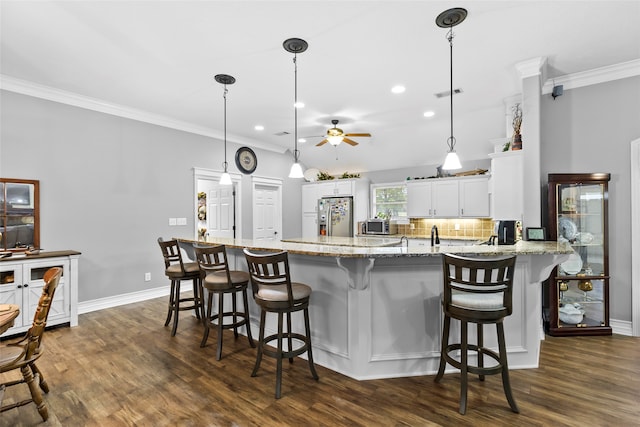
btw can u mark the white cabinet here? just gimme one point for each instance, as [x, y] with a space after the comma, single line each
[311, 192]
[21, 282]
[474, 197]
[507, 185]
[448, 198]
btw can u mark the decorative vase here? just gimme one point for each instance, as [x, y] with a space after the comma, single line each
[517, 142]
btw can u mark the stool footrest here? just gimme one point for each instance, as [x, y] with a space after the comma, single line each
[243, 319]
[478, 370]
[285, 337]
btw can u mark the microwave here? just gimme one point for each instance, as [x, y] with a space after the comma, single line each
[376, 226]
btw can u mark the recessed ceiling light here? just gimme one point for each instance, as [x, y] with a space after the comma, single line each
[398, 89]
[429, 113]
[258, 127]
[299, 104]
[302, 140]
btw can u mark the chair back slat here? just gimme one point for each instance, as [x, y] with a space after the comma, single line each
[213, 259]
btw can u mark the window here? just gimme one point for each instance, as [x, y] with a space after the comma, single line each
[389, 200]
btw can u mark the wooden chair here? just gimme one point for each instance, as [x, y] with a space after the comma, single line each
[218, 279]
[177, 271]
[476, 291]
[274, 292]
[23, 354]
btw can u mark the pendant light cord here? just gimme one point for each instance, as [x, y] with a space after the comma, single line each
[225, 164]
[451, 142]
[295, 108]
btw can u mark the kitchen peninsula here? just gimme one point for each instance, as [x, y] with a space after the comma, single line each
[375, 309]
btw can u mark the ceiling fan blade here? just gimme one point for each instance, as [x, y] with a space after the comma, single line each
[349, 141]
[357, 134]
[324, 141]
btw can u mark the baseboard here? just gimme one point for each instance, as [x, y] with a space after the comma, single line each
[117, 300]
[621, 327]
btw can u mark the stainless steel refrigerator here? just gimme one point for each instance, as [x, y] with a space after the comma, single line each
[335, 216]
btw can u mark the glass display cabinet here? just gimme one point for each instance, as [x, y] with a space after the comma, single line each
[578, 289]
[19, 214]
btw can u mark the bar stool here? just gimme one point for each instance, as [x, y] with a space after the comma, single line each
[476, 291]
[274, 292]
[177, 271]
[218, 279]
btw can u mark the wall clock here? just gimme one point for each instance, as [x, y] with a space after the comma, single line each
[246, 160]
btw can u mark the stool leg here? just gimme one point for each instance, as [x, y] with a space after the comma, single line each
[480, 335]
[309, 351]
[247, 318]
[463, 369]
[220, 324]
[170, 310]
[197, 298]
[206, 319]
[289, 339]
[176, 308]
[506, 384]
[235, 314]
[279, 358]
[445, 342]
[263, 318]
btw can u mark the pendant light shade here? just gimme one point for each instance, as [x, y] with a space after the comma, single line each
[449, 19]
[225, 79]
[295, 46]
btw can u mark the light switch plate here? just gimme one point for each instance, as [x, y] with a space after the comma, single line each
[182, 221]
[172, 221]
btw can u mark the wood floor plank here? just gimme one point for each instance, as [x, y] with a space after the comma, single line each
[121, 367]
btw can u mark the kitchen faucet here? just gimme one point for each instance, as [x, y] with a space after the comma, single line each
[434, 229]
[405, 239]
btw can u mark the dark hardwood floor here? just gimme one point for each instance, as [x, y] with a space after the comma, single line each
[121, 367]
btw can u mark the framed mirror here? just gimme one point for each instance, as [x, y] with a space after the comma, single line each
[19, 214]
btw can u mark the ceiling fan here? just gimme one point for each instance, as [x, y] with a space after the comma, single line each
[336, 135]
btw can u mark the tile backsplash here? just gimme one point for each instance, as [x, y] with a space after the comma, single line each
[468, 228]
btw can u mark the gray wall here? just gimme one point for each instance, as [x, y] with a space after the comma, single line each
[108, 186]
[589, 129]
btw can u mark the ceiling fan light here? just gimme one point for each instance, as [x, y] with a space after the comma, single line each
[452, 161]
[335, 140]
[225, 179]
[296, 171]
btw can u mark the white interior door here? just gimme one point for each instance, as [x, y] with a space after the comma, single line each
[221, 211]
[267, 217]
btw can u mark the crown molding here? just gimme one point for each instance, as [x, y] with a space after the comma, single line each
[36, 90]
[532, 67]
[595, 76]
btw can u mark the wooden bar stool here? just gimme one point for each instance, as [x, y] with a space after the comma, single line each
[177, 271]
[476, 291]
[218, 279]
[274, 292]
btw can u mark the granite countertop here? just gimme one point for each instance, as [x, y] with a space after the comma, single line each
[385, 247]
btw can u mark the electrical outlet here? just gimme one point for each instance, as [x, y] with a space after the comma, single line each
[412, 226]
[456, 227]
[147, 277]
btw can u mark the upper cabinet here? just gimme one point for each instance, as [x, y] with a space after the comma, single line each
[448, 198]
[19, 213]
[506, 185]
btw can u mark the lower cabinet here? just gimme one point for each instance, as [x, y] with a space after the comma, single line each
[21, 283]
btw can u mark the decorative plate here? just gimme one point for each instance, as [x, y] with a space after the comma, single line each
[311, 174]
[573, 265]
[567, 229]
[246, 160]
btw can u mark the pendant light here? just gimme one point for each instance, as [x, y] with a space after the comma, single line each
[225, 79]
[295, 46]
[449, 19]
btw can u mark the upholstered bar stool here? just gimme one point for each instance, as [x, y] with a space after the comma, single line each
[218, 279]
[274, 292]
[177, 271]
[479, 291]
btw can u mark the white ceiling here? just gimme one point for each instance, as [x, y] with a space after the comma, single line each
[160, 57]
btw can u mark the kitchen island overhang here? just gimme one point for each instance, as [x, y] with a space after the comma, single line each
[375, 310]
